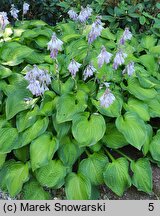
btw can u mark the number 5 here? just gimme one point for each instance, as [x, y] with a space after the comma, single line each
[151, 206]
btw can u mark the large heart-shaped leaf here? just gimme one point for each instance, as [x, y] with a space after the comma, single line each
[116, 176]
[26, 119]
[133, 128]
[154, 107]
[142, 175]
[88, 129]
[155, 146]
[16, 99]
[113, 110]
[62, 129]
[42, 150]
[149, 62]
[13, 53]
[52, 175]
[32, 190]
[27, 136]
[69, 104]
[77, 187]
[139, 92]
[93, 168]
[141, 108]
[148, 139]
[4, 72]
[113, 138]
[2, 159]
[8, 138]
[17, 174]
[71, 146]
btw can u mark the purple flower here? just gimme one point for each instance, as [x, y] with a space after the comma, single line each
[38, 80]
[129, 69]
[95, 30]
[25, 8]
[3, 20]
[107, 98]
[104, 56]
[84, 14]
[14, 12]
[73, 67]
[72, 15]
[54, 45]
[89, 71]
[119, 59]
[127, 35]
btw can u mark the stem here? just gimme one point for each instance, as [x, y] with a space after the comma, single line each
[57, 74]
[88, 50]
[121, 153]
[87, 152]
[109, 154]
[75, 84]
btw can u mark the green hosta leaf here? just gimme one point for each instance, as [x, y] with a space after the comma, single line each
[8, 138]
[69, 104]
[96, 147]
[148, 41]
[71, 146]
[133, 128]
[35, 58]
[70, 37]
[4, 72]
[142, 20]
[78, 187]
[139, 107]
[142, 175]
[22, 154]
[113, 138]
[147, 142]
[32, 190]
[34, 33]
[154, 107]
[88, 129]
[41, 41]
[155, 50]
[113, 110]
[52, 175]
[42, 150]
[26, 119]
[149, 62]
[62, 129]
[155, 146]
[14, 53]
[67, 86]
[47, 105]
[17, 174]
[116, 176]
[16, 100]
[93, 168]
[106, 33]
[139, 92]
[32, 132]
[146, 82]
[2, 159]
[3, 174]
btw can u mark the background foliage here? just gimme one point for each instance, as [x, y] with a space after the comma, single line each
[139, 15]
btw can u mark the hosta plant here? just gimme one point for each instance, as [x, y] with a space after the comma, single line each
[72, 97]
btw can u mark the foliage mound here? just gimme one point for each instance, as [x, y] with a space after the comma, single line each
[67, 133]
